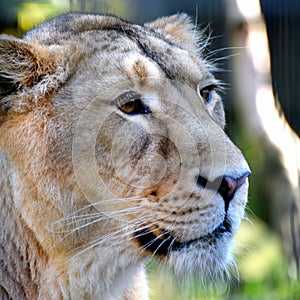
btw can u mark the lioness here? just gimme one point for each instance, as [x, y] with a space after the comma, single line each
[112, 150]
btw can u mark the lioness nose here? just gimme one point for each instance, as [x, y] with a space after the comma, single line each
[226, 186]
[229, 186]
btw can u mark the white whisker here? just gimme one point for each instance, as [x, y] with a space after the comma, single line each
[163, 241]
[115, 235]
[108, 201]
[114, 215]
[74, 218]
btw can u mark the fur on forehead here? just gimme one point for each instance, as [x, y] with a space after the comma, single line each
[178, 28]
[138, 67]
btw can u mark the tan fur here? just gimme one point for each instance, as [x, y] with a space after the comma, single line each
[81, 177]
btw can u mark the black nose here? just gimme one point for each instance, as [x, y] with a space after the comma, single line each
[226, 186]
[229, 186]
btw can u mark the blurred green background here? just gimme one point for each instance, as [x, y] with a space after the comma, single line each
[268, 243]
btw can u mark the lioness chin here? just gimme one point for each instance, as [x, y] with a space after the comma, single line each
[112, 150]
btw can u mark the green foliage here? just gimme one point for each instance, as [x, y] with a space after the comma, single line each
[33, 13]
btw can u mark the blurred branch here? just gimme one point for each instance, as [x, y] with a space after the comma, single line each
[295, 225]
[265, 125]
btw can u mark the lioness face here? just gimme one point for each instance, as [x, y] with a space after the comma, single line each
[127, 152]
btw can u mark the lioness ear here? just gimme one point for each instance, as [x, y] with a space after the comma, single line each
[178, 28]
[27, 73]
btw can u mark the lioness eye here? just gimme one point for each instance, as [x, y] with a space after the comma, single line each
[130, 103]
[206, 93]
[133, 107]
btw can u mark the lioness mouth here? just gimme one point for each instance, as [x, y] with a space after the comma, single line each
[165, 243]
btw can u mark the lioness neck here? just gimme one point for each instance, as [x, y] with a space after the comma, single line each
[28, 272]
[21, 256]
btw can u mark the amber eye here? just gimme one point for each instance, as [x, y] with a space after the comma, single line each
[206, 93]
[128, 107]
[133, 107]
[130, 103]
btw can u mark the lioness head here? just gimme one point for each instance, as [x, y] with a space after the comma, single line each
[112, 135]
